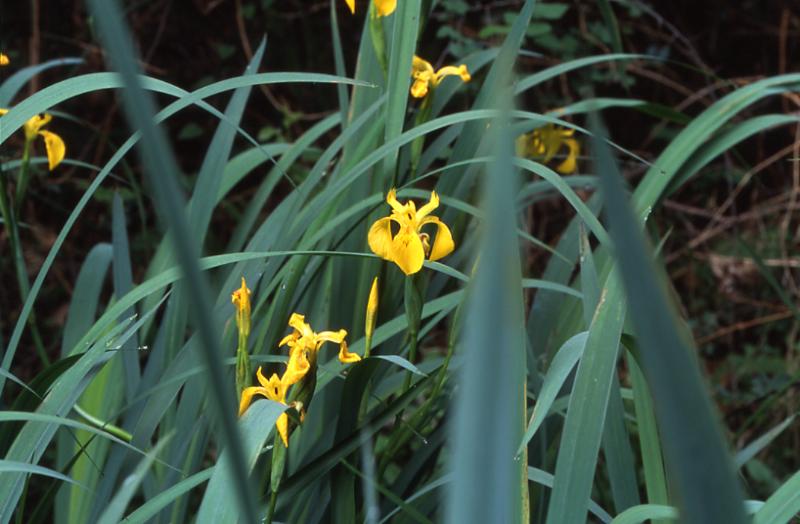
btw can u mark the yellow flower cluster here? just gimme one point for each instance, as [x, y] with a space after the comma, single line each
[544, 143]
[56, 149]
[304, 345]
[425, 77]
[410, 246]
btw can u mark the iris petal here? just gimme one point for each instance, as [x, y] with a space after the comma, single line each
[283, 428]
[247, 397]
[297, 368]
[56, 149]
[380, 238]
[443, 244]
[407, 252]
[385, 7]
[345, 357]
[571, 162]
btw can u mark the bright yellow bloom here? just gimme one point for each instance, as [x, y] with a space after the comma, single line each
[372, 309]
[56, 150]
[382, 7]
[304, 344]
[241, 299]
[273, 389]
[4, 61]
[544, 143]
[409, 247]
[425, 77]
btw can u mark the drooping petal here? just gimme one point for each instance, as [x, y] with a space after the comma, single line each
[352, 5]
[345, 357]
[297, 367]
[571, 162]
[380, 238]
[443, 244]
[331, 336]
[56, 149]
[432, 204]
[419, 88]
[34, 124]
[385, 7]
[247, 397]
[460, 71]
[282, 424]
[407, 252]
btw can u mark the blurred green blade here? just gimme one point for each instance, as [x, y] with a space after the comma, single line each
[161, 170]
[696, 453]
[404, 42]
[489, 484]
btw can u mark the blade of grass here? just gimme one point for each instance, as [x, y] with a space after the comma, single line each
[697, 458]
[783, 505]
[161, 170]
[655, 479]
[490, 485]
[116, 508]
[404, 42]
[588, 403]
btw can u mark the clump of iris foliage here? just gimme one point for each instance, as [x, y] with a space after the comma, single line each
[371, 348]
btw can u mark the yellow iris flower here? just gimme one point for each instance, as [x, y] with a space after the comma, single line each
[4, 61]
[273, 389]
[56, 149]
[304, 345]
[426, 77]
[409, 247]
[544, 143]
[382, 7]
[241, 299]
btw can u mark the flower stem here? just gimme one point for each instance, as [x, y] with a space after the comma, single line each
[24, 174]
[273, 500]
[423, 115]
[101, 424]
[413, 303]
[10, 221]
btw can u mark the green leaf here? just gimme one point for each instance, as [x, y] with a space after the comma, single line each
[256, 425]
[560, 368]
[583, 429]
[697, 458]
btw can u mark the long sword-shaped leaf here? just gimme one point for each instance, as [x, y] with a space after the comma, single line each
[583, 429]
[489, 485]
[693, 445]
[161, 171]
